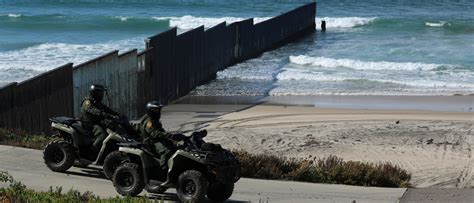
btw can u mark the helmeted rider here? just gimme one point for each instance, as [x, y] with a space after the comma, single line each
[96, 116]
[152, 133]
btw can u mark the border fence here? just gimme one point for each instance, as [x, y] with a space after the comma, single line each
[170, 67]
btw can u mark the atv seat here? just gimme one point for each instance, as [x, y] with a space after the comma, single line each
[64, 120]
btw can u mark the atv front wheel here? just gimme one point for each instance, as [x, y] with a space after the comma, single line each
[128, 180]
[192, 186]
[220, 192]
[112, 161]
[155, 189]
[59, 155]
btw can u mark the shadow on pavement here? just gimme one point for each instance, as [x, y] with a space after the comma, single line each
[172, 197]
[167, 196]
[88, 172]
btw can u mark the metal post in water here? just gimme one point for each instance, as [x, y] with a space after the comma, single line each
[323, 25]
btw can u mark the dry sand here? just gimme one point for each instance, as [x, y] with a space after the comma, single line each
[436, 147]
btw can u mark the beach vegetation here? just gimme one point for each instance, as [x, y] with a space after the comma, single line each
[18, 192]
[331, 169]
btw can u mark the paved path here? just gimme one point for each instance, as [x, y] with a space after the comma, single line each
[26, 165]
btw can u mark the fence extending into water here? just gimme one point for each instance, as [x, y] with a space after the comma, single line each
[170, 67]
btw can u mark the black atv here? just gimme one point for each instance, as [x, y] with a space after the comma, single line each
[196, 169]
[73, 146]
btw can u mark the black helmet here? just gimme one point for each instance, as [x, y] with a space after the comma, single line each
[154, 109]
[96, 92]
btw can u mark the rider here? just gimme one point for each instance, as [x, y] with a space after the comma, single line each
[96, 116]
[152, 132]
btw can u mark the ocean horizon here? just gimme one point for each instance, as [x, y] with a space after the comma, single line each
[369, 48]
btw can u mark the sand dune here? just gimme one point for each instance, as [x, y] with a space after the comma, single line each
[436, 147]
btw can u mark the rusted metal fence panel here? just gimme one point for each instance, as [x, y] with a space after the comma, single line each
[245, 40]
[184, 62]
[215, 41]
[126, 85]
[34, 101]
[144, 80]
[231, 45]
[7, 105]
[162, 66]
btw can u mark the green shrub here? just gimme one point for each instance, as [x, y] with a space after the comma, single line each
[18, 192]
[20, 138]
[331, 169]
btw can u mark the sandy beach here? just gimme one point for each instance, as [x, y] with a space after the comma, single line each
[436, 147]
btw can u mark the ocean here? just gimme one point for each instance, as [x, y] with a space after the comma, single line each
[370, 47]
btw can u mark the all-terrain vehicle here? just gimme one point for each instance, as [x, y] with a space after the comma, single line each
[73, 146]
[196, 169]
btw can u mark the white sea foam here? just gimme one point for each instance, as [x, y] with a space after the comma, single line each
[13, 15]
[436, 24]
[21, 64]
[122, 18]
[344, 22]
[362, 65]
[190, 22]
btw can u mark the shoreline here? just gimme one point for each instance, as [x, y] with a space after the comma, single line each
[368, 102]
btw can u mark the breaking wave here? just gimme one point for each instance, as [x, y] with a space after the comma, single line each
[344, 22]
[13, 15]
[190, 22]
[436, 24]
[17, 65]
[364, 65]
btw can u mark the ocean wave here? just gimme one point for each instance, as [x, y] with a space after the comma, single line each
[344, 22]
[364, 65]
[13, 15]
[122, 18]
[190, 22]
[21, 64]
[437, 24]
[369, 82]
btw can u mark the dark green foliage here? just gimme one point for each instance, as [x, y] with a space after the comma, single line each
[17, 192]
[22, 139]
[324, 170]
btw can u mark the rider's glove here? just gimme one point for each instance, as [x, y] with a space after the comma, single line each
[176, 137]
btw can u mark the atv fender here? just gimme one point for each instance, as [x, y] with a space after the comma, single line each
[62, 127]
[109, 145]
[71, 133]
[146, 161]
[182, 161]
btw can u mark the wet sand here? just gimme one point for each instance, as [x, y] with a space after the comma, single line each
[432, 103]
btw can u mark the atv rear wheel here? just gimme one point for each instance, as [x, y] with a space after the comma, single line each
[220, 192]
[155, 189]
[128, 179]
[112, 161]
[59, 155]
[192, 186]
